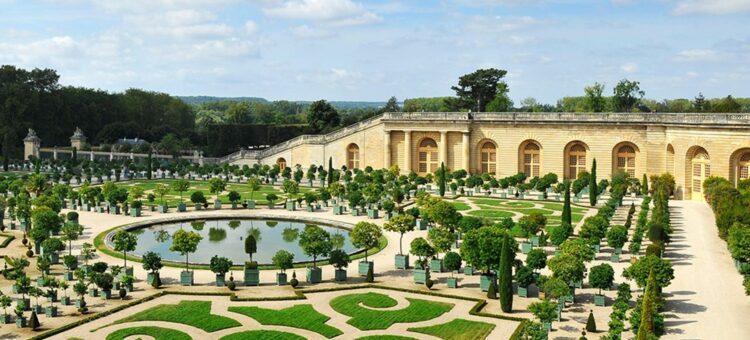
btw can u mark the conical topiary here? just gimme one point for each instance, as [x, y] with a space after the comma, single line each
[591, 323]
[370, 277]
[34, 321]
[429, 283]
[492, 291]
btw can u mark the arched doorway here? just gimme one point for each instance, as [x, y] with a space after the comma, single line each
[352, 156]
[488, 157]
[531, 158]
[670, 158]
[281, 162]
[740, 165]
[624, 158]
[699, 168]
[427, 160]
[575, 160]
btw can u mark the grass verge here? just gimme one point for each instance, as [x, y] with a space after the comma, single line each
[364, 318]
[191, 313]
[158, 333]
[262, 335]
[299, 316]
[458, 329]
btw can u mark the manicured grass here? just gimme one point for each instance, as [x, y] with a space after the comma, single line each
[362, 308]
[461, 206]
[491, 214]
[519, 204]
[385, 337]
[262, 335]
[487, 201]
[458, 329]
[534, 210]
[299, 316]
[191, 313]
[157, 333]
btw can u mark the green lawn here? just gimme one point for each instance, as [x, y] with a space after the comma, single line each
[385, 337]
[461, 206]
[362, 308]
[262, 335]
[191, 313]
[157, 333]
[491, 214]
[458, 329]
[299, 316]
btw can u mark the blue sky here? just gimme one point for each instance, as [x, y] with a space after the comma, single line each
[371, 50]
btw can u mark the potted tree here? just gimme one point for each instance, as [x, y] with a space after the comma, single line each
[124, 242]
[524, 278]
[234, 197]
[65, 299]
[136, 193]
[181, 185]
[253, 184]
[51, 247]
[252, 274]
[282, 260]
[126, 282]
[310, 199]
[401, 224]
[5, 302]
[388, 206]
[198, 199]
[151, 199]
[340, 260]
[423, 251]
[601, 276]
[220, 266]
[217, 186]
[365, 235]
[152, 263]
[161, 190]
[80, 288]
[185, 242]
[545, 311]
[271, 198]
[452, 262]
[315, 242]
[51, 294]
[20, 318]
[442, 240]
[291, 189]
[616, 238]
[105, 282]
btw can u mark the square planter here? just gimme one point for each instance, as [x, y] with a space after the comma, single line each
[338, 210]
[252, 277]
[402, 261]
[421, 275]
[80, 303]
[469, 270]
[485, 281]
[217, 205]
[106, 294]
[340, 275]
[271, 205]
[523, 292]
[436, 266]
[422, 224]
[452, 282]
[596, 247]
[309, 208]
[163, 209]
[135, 212]
[50, 311]
[65, 300]
[186, 278]
[234, 205]
[571, 297]
[150, 278]
[198, 207]
[181, 207]
[372, 213]
[547, 326]
[26, 303]
[21, 322]
[355, 212]
[114, 210]
[314, 275]
[250, 204]
[364, 267]
[534, 240]
[281, 279]
[54, 258]
[291, 206]
[5, 319]
[615, 258]
[526, 247]
[220, 280]
[599, 300]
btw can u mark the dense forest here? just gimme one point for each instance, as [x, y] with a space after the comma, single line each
[218, 126]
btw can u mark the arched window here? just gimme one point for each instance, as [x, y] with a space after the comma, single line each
[743, 167]
[488, 158]
[428, 156]
[670, 158]
[626, 160]
[700, 169]
[576, 160]
[352, 156]
[531, 159]
[281, 162]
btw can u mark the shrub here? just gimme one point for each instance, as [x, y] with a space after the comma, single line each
[654, 249]
[746, 283]
[591, 323]
[294, 282]
[429, 283]
[492, 291]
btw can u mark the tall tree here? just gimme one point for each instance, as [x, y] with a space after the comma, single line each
[648, 309]
[391, 105]
[567, 216]
[330, 171]
[627, 95]
[700, 104]
[726, 105]
[593, 190]
[475, 90]
[502, 101]
[441, 179]
[505, 276]
[322, 116]
[644, 184]
[594, 100]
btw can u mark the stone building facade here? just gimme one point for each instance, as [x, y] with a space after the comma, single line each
[691, 146]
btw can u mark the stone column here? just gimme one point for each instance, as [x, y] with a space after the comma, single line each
[443, 147]
[407, 152]
[387, 150]
[467, 153]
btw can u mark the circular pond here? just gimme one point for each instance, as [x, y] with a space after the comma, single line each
[227, 238]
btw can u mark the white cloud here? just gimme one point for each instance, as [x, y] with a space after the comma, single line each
[697, 55]
[500, 24]
[333, 12]
[307, 32]
[251, 27]
[711, 7]
[629, 67]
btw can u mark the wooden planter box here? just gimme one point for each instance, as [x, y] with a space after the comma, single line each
[163, 209]
[135, 212]
[338, 210]
[469, 270]
[186, 278]
[220, 280]
[452, 282]
[281, 279]
[252, 277]
[485, 281]
[372, 213]
[421, 275]
[340, 275]
[599, 300]
[181, 207]
[313, 275]
[50, 311]
[402, 261]
[523, 292]
[250, 204]
[436, 266]
[526, 247]
[217, 205]
[364, 267]
[291, 206]
[422, 224]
